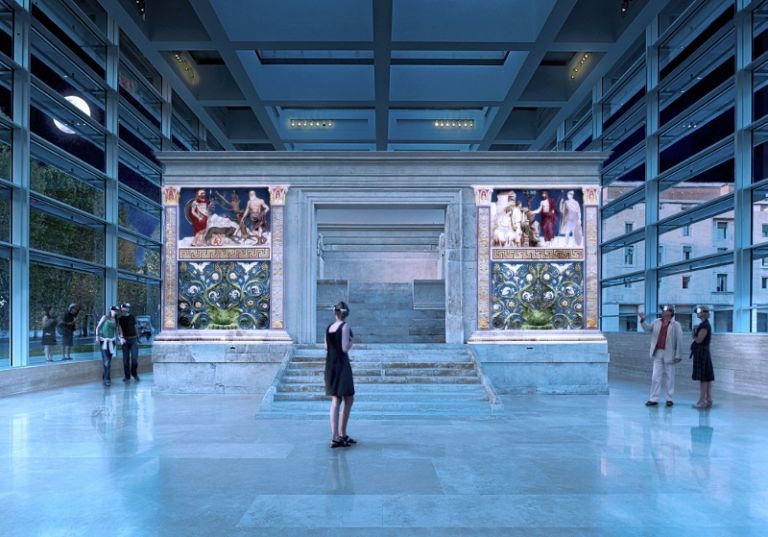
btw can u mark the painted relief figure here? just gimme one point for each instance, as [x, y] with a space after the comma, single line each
[570, 225]
[548, 213]
[533, 218]
[197, 214]
[257, 210]
[216, 218]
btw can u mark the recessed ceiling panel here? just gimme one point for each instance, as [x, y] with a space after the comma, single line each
[314, 83]
[454, 82]
[296, 20]
[469, 21]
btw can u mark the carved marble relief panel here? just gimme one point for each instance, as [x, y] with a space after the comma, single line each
[538, 295]
[532, 258]
[224, 295]
[223, 248]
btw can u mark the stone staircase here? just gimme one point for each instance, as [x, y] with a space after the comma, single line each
[390, 380]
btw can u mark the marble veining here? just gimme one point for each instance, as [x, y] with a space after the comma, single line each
[85, 460]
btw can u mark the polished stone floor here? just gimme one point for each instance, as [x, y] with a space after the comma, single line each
[124, 462]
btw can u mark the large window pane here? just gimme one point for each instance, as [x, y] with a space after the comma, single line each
[620, 306]
[5, 153]
[5, 214]
[140, 259]
[698, 239]
[624, 260]
[138, 216]
[760, 294]
[760, 218]
[144, 298]
[77, 189]
[712, 287]
[707, 186]
[66, 237]
[57, 288]
[5, 309]
[624, 221]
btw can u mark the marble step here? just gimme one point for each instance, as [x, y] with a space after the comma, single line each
[384, 372]
[390, 389]
[369, 379]
[309, 364]
[385, 397]
[363, 355]
[433, 406]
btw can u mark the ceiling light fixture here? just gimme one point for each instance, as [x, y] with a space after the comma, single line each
[185, 66]
[579, 66]
[310, 123]
[454, 123]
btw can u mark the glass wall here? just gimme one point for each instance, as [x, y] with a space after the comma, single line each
[691, 205]
[92, 231]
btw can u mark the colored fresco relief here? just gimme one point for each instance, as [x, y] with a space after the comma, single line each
[537, 224]
[537, 295]
[224, 295]
[225, 223]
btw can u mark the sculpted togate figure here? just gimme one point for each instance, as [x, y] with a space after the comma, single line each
[198, 216]
[256, 210]
[548, 215]
[570, 225]
[502, 224]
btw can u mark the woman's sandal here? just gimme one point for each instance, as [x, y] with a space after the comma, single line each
[349, 440]
[338, 442]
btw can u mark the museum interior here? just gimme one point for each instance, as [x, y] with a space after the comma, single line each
[542, 225]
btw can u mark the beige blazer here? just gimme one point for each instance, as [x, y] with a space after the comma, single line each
[673, 349]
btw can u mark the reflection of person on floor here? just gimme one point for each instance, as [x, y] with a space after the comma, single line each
[701, 441]
[548, 215]
[257, 210]
[50, 320]
[339, 384]
[199, 212]
[570, 225]
[666, 349]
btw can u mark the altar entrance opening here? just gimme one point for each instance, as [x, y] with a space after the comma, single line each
[387, 263]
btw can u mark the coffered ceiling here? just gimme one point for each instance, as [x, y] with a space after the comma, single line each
[386, 75]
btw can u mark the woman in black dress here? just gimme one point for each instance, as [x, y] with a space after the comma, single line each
[338, 375]
[702, 360]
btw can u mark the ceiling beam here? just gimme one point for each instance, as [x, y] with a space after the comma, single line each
[135, 32]
[635, 29]
[221, 43]
[555, 21]
[382, 46]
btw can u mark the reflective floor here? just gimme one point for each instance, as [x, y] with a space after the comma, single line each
[121, 461]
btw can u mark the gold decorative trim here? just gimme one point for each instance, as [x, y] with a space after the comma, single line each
[527, 254]
[246, 254]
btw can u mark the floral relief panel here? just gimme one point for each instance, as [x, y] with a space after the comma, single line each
[224, 295]
[537, 295]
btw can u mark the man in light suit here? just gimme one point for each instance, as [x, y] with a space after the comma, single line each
[666, 351]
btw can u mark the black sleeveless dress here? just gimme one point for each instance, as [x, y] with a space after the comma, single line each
[702, 360]
[338, 371]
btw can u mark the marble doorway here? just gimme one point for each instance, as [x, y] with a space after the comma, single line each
[386, 262]
[395, 259]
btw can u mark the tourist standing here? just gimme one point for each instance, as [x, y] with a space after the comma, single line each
[666, 346]
[67, 329]
[702, 360]
[106, 332]
[339, 384]
[50, 320]
[129, 339]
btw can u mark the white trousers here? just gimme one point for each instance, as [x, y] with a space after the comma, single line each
[662, 371]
